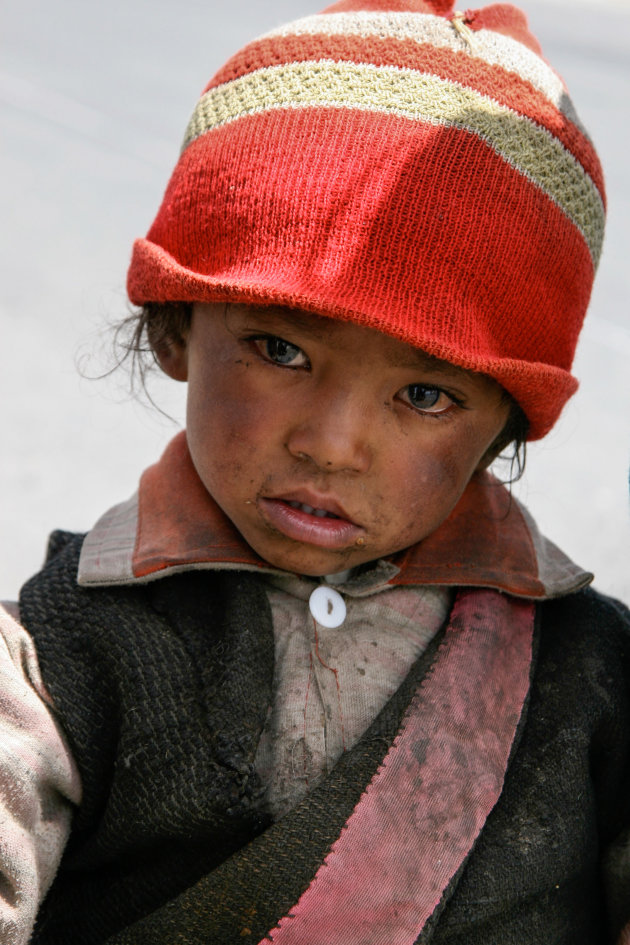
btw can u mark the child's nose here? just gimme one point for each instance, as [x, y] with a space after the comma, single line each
[333, 432]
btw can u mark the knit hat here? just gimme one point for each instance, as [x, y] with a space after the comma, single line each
[398, 165]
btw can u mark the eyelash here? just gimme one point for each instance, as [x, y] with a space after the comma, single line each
[452, 401]
[260, 341]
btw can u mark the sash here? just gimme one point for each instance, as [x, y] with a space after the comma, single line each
[378, 873]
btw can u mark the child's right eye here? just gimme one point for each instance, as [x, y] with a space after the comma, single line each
[279, 351]
[427, 399]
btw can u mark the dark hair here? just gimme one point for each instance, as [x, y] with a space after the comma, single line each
[139, 338]
[510, 446]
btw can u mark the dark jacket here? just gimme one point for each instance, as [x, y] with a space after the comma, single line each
[171, 843]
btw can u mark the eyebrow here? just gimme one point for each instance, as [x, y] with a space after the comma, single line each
[310, 323]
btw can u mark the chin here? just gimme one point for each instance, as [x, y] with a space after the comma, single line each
[310, 562]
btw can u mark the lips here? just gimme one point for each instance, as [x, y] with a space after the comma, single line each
[319, 513]
[311, 518]
[311, 501]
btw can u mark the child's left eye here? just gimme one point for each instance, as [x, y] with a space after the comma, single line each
[427, 399]
[280, 351]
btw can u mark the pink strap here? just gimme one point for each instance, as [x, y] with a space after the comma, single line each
[421, 814]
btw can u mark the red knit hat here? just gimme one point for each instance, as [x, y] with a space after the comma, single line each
[401, 166]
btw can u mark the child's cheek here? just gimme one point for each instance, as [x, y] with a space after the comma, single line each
[229, 428]
[435, 468]
[434, 484]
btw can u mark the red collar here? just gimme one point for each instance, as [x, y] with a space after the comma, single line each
[489, 540]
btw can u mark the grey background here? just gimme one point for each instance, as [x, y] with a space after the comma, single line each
[94, 99]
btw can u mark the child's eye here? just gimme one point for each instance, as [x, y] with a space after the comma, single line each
[427, 399]
[280, 351]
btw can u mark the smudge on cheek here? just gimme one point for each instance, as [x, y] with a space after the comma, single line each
[431, 476]
[428, 493]
[228, 425]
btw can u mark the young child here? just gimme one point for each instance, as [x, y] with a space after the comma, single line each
[321, 680]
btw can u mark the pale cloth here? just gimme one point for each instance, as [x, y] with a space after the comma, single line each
[330, 684]
[39, 784]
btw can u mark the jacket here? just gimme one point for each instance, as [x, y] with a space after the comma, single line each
[486, 802]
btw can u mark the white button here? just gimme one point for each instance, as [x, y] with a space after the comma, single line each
[327, 607]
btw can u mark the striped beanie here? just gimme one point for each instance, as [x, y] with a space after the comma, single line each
[402, 166]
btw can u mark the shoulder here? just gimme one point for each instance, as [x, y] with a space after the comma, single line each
[147, 652]
[587, 618]
[586, 633]
[54, 597]
[581, 679]
[107, 635]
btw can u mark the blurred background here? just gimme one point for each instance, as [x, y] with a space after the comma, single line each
[94, 99]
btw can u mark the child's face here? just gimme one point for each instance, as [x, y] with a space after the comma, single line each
[327, 444]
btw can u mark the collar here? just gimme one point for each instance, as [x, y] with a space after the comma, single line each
[172, 524]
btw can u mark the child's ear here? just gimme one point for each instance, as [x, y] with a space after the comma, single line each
[172, 356]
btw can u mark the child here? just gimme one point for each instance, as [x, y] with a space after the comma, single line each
[321, 680]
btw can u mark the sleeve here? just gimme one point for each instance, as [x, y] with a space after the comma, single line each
[39, 784]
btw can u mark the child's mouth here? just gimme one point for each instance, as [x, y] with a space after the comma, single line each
[310, 524]
[319, 513]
